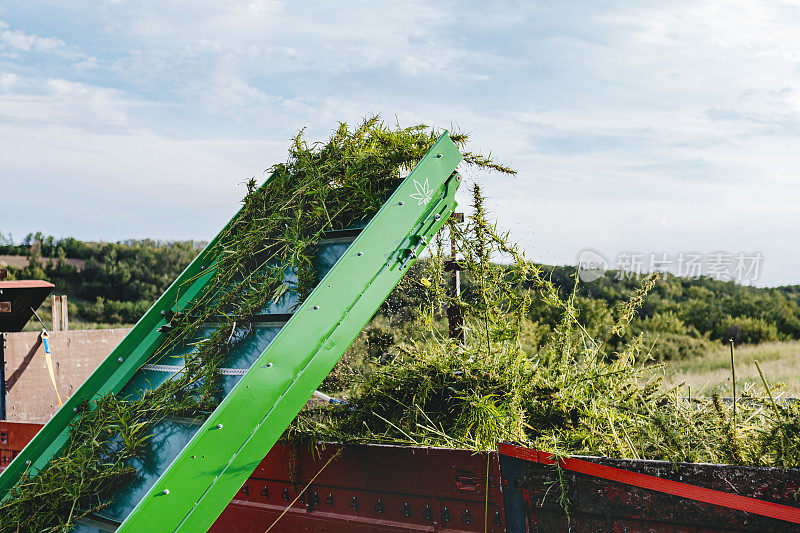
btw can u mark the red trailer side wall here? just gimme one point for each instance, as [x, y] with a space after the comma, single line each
[368, 488]
[360, 489]
[13, 437]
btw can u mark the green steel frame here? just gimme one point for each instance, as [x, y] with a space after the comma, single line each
[215, 463]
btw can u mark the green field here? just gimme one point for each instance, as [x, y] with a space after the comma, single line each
[780, 362]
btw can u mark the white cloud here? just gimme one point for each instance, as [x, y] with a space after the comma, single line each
[25, 42]
[39, 103]
[618, 115]
[7, 81]
[72, 154]
[89, 63]
[275, 40]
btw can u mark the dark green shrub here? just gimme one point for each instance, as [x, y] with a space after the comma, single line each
[675, 346]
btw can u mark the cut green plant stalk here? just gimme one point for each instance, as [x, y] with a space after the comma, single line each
[322, 187]
[567, 393]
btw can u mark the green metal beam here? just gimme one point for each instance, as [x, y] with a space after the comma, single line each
[206, 474]
[200, 483]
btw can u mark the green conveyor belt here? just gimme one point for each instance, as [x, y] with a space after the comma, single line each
[198, 465]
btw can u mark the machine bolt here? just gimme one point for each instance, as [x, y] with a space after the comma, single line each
[269, 365]
[316, 307]
[121, 360]
[427, 512]
[360, 254]
[165, 492]
[74, 409]
[437, 216]
[402, 203]
[163, 313]
[219, 426]
[438, 156]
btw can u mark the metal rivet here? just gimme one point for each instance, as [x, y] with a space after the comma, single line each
[203, 267]
[360, 254]
[437, 216]
[194, 457]
[219, 426]
[269, 365]
[121, 360]
[165, 492]
[28, 462]
[74, 409]
[402, 203]
[316, 307]
[438, 156]
[163, 313]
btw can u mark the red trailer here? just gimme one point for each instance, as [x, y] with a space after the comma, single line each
[515, 489]
[369, 488]
[631, 496]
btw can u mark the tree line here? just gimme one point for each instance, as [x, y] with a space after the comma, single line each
[118, 282]
[680, 317]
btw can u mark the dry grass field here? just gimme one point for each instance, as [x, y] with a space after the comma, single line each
[780, 362]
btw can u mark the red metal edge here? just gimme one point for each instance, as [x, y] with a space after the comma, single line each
[667, 486]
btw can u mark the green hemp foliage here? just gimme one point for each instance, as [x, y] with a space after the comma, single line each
[322, 187]
[570, 394]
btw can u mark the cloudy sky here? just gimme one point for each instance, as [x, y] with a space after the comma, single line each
[638, 127]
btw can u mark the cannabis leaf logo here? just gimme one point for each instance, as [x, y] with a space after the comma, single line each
[424, 193]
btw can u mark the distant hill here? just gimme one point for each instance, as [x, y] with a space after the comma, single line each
[683, 313]
[680, 318]
[107, 283]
